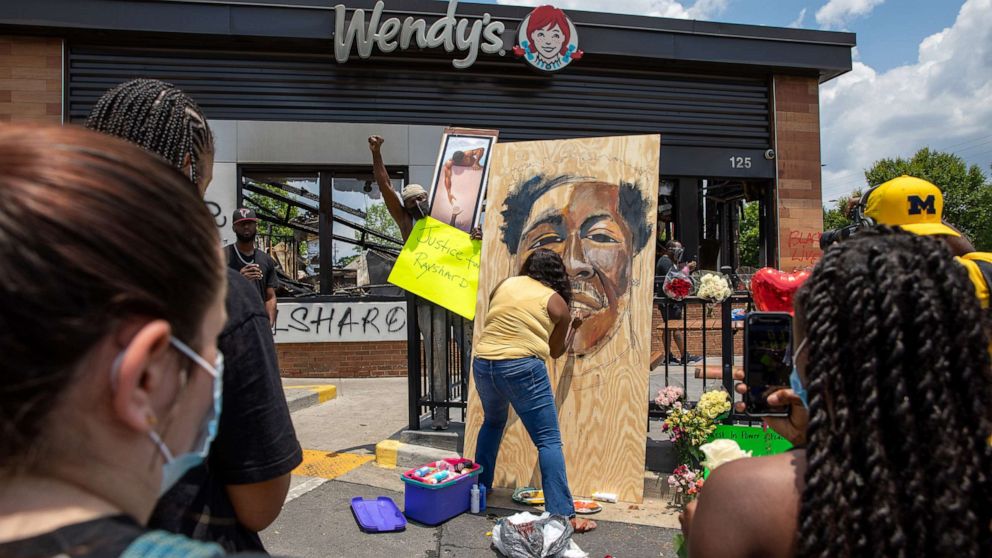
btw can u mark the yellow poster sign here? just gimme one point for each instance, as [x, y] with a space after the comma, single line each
[441, 264]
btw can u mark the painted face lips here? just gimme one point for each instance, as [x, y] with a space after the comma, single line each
[586, 300]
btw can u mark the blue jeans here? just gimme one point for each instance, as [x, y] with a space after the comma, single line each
[523, 383]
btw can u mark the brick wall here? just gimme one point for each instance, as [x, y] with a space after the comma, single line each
[797, 154]
[389, 358]
[694, 333]
[30, 79]
[342, 360]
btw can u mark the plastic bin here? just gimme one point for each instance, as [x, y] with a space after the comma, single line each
[433, 504]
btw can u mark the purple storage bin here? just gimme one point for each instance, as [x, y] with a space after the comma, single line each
[378, 516]
[433, 504]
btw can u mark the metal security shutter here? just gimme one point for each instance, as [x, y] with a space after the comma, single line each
[584, 100]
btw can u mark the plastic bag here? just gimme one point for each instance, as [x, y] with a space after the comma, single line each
[525, 535]
[678, 285]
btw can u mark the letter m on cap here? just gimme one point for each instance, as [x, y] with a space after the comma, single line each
[918, 205]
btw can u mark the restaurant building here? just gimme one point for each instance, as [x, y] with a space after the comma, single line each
[293, 88]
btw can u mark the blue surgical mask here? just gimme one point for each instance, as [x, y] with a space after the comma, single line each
[177, 466]
[794, 382]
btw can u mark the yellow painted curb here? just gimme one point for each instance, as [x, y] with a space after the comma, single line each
[325, 393]
[386, 452]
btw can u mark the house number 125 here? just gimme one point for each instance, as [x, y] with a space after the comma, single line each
[740, 162]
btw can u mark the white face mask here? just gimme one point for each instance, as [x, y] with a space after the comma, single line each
[177, 466]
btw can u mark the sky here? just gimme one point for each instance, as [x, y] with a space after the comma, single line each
[922, 73]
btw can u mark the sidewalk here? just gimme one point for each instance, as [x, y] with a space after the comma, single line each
[341, 434]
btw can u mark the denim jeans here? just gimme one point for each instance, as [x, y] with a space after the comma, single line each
[523, 383]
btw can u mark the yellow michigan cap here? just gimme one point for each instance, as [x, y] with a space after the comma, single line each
[911, 203]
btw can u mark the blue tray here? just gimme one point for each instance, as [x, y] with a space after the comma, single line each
[378, 516]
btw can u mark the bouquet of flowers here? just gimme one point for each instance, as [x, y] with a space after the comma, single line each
[670, 397]
[678, 285]
[689, 428]
[686, 482]
[721, 451]
[713, 404]
[714, 288]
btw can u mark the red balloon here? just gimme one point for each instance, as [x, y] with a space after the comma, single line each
[773, 290]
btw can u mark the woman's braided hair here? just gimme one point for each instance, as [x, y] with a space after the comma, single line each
[157, 116]
[900, 402]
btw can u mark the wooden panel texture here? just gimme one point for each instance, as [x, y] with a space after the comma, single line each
[592, 200]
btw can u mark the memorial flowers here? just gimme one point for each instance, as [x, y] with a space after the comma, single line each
[685, 481]
[721, 451]
[714, 403]
[689, 428]
[714, 288]
[670, 397]
[678, 285]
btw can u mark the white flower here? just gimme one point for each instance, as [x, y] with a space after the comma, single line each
[714, 288]
[721, 451]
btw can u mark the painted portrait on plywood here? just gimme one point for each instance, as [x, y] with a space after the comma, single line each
[597, 228]
[592, 201]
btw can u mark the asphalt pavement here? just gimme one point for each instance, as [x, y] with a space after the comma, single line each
[339, 435]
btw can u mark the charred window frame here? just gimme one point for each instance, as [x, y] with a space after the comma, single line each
[316, 218]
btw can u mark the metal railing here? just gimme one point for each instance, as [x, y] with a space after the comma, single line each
[697, 317]
[448, 389]
[451, 336]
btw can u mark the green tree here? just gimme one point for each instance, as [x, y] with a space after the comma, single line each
[967, 191]
[840, 215]
[750, 235]
[378, 219]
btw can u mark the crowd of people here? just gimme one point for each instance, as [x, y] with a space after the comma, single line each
[142, 413]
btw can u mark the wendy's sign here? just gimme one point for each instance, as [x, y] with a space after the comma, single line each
[548, 39]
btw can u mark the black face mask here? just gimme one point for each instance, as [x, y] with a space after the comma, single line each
[247, 237]
[419, 210]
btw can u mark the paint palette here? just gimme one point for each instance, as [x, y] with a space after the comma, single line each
[585, 507]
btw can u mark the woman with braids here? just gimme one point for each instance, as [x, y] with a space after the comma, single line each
[164, 120]
[110, 382]
[241, 489]
[893, 365]
[528, 322]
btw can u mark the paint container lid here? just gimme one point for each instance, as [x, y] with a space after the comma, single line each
[380, 515]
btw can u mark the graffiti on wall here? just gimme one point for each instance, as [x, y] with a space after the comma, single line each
[330, 322]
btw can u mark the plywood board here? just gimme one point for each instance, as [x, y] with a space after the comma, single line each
[592, 200]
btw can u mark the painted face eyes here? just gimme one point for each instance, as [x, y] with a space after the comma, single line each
[545, 240]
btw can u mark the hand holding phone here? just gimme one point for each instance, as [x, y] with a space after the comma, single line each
[767, 362]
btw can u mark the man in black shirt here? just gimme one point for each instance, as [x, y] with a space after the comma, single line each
[243, 484]
[254, 265]
[256, 447]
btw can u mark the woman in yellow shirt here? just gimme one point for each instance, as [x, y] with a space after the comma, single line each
[528, 322]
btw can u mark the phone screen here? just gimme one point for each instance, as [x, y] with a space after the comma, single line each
[767, 362]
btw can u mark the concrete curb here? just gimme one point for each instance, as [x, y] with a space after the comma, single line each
[394, 453]
[302, 397]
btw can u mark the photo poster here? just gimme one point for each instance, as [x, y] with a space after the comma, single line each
[460, 177]
[594, 201]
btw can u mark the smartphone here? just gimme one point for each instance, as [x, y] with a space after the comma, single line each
[767, 360]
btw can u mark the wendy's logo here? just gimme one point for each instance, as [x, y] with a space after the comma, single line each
[547, 39]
